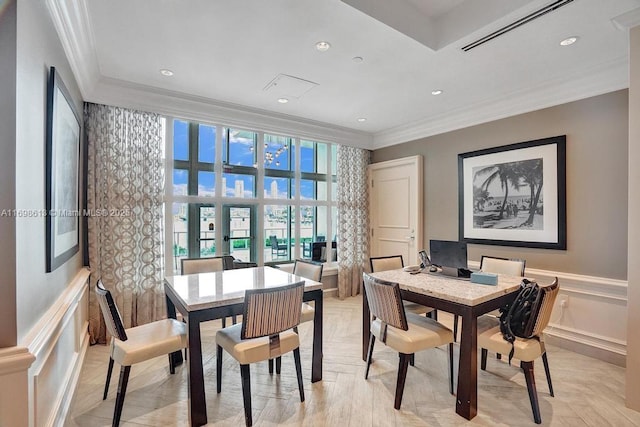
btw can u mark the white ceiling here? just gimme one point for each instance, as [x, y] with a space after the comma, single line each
[224, 53]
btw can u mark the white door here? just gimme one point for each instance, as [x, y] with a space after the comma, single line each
[395, 208]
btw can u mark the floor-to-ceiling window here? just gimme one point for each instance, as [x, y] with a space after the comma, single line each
[258, 196]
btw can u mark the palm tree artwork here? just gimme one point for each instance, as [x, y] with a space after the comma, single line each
[491, 190]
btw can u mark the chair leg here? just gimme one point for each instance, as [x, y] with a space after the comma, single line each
[372, 341]
[296, 358]
[403, 366]
[434, 315]
[224, 322]
[122, 389]
[234, 319]
[545, 361]
[483, 359]
[246, 393]
[106, 385]
[498, 356]
[455, 328]
[451, 367]
[271, 366]
[172, 369]
[412, 359]
[527, 368]
[218, 369]
[278, 365]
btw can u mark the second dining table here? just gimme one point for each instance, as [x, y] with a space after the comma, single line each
[209, 296]
[457, 296]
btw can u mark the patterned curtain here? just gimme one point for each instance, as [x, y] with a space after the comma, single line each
[353, 219]
[125, 188]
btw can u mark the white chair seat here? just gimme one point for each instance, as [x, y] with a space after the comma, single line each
[490, 337]
[307, 313]
[423, 333]
[256, 349]
[412, 307]
[148, 341]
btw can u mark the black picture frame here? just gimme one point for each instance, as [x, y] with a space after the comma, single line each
[63, 133]
[514, 195]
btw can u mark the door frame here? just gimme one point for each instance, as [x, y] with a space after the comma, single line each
[226, 228]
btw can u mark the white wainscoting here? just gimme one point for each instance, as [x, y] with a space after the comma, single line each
[594, 319]
[59, 342]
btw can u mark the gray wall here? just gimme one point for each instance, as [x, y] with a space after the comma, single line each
[597, 148]
[38, 48]
[7, 173]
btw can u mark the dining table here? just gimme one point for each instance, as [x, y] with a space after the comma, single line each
[460, 297]
[208, 296]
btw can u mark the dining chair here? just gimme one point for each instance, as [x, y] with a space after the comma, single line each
[310, 270]
[134, 345]
[525, 350]
[407, 333]
[394, 262]
[490, 264]
[266, 332]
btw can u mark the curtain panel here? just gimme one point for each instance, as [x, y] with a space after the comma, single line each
[125, 189]
[353, 218]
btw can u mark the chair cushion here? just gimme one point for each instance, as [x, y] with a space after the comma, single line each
[307, 314]
[412, 307]
[490, 337]
[423, 333]
[256, 349]
[145, 342]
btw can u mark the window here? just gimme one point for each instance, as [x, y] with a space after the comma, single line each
[230, 190]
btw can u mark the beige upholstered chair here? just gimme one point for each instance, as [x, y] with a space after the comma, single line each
[525, 350]
[266, 332]
[489, 264]
[313, 271]
[201, 265]
[406, 333]
[394, 262]
[136, 344]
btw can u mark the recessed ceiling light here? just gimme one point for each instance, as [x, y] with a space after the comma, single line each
[166, 73]
[568, 41]
[283, 100]
[436, 92]
[362, 119]
[323, 46]
[357, 59]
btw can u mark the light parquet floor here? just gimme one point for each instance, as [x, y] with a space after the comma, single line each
[589, 392]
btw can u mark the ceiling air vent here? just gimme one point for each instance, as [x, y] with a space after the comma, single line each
[534, 15]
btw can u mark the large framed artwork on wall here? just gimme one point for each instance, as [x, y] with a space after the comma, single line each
[514, 195]
[63, 153]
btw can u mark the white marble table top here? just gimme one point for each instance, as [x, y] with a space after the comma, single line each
[450, 288]
[207, 290]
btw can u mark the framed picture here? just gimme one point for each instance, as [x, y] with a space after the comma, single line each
[514, 195]
[63, 152]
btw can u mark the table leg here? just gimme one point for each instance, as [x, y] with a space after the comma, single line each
[175, 357]
[316, 367]
[467, 395]
[197, 401]
[366, 324]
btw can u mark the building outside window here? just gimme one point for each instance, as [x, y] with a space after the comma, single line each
[259, 197]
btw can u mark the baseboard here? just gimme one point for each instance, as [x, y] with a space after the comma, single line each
[59, 343]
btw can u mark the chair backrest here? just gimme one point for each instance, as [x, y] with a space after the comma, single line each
[309, 269]
[274, 241]
[269, 311]
[110, 312]
[383, 263]
[546, 306]
[385, 302]
[510, 267]
[201, 265]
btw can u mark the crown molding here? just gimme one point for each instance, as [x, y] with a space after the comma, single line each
[176, 104]
[627, 20]
[71, 21]
[607, 77]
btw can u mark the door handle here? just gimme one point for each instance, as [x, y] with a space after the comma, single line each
[225, 238]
